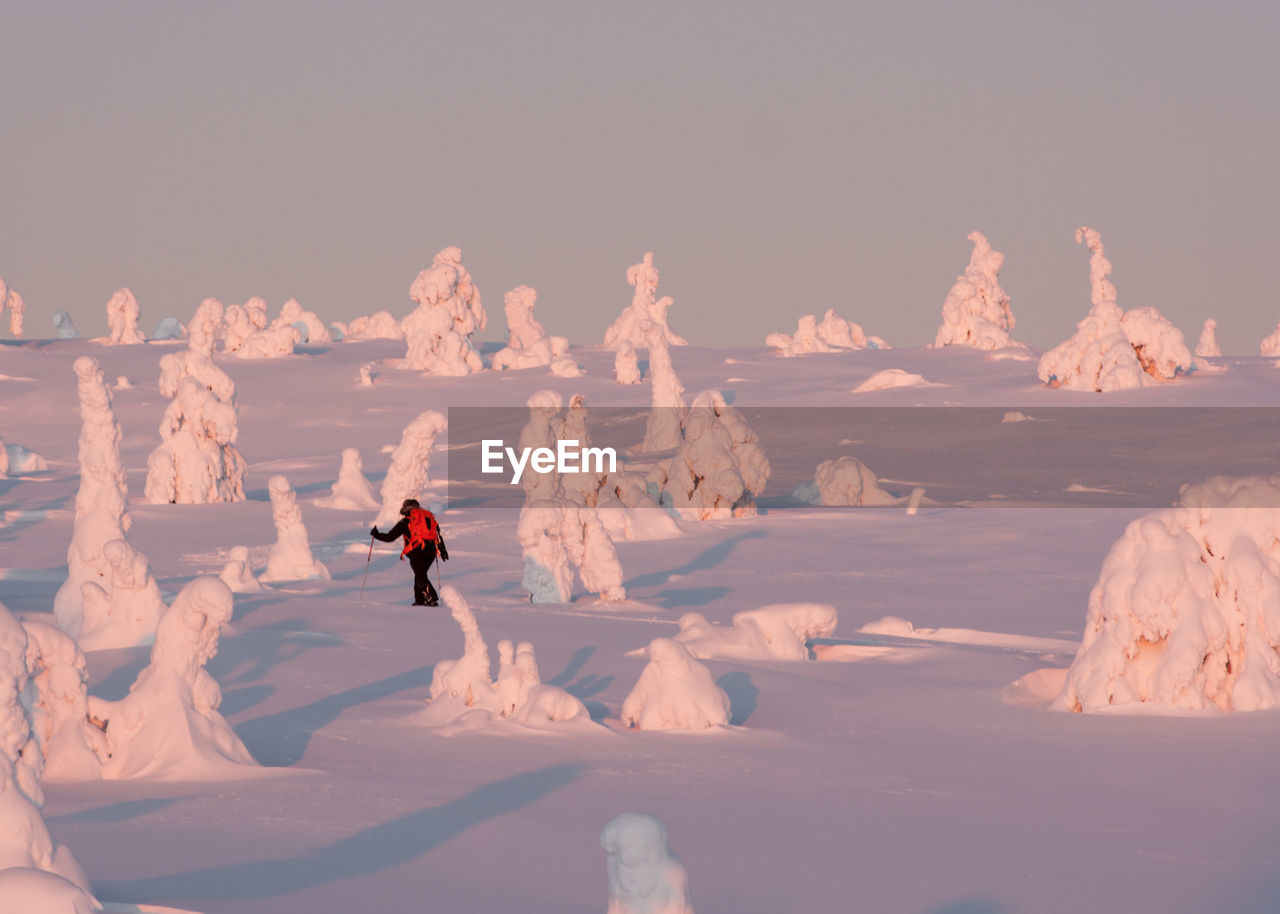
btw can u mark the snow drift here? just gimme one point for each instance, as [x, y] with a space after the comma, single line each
[779, 631]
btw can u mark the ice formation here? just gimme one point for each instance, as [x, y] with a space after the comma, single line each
[237, 573]
[719, 466]
[109, 598]
[197, 461]
[555, 535]
[169, 328]
[1207, 347]
[72, 747]
[36, 873]
[528, 345]
[464, 685]
[646, 315]
[1186, 610]
[844, 481]
[832, 334]
[1112, 350]
[410, 466]
[381, 325]
[65, 327]
[168, 726]
[9, 298]
[352, 491]
[438, 332]
[1270, 345]
[644, 876]
[290, 558]
[122, 318]
[976, 311]
[674, 692]
[309, 326]
[778, 631]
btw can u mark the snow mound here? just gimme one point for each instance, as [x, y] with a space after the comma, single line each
[832, 334]
[674, 692]
[352, 491]
[779, 631]
[410, 468]
[1112, 350]
[844, 481]
[644, 876]
[26, 890]
[976, 311]
[168, 726]
[438, 332]
[1207, 347]
[122, 319]
[290, 558]
[237, 574]
[1186, 611]
[891, 378]
[646, 317]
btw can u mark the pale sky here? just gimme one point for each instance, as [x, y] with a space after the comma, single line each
[778, 160]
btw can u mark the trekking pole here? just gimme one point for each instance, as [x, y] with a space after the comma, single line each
[366, 566]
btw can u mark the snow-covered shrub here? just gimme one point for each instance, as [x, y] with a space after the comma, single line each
[109, 598]
[73, 748]
[438, 332]
[626, 364]
[843, 481]
[236, 328]
[270, 343]
[36, 873]
[1112, 350]
[528, 345]
[122, 318]
[719, 467]
[832, 334]
[1207, 347]
[237, 573]
[1270, 345]
[381, 325]
[168, 726]
[169, 328]
[976, 311]
[646, 315]
[778, 631]
[644, 876]
[352, 491]
[1186, 610]
[674, 692]
[204, 326]
[410, 466]
[197, 460]
[556, 534]
[290, 558]
[310, 328]
[9, 298]
[890, 379]
[64, 326]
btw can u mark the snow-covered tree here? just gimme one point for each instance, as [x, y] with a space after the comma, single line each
[644, 876]
[626, 364]
[64, 327]
[168, 726]
[438, 332]
[204, 326]
[1186, 610]
[352, 491]
[122, 318]
[1207, 347]
[197, 460]
[1112, 350]
[779, 631]
[557, 535]
[109, 598]
[409, 473]
[646, 315]
[667, 406]
[73, 748]
[674, 692]
[718, 467]
[237, 573]
[9, 298]
[832, 334]
[290, 558]
[844, 481]
[1270, 345]
[309, 326]
[976, 311]
[36, 872]
[381, 325]
[528, 345]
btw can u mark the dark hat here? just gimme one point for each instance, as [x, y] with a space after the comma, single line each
[409, 505]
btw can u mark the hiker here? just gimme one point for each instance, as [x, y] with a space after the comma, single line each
[422, 541]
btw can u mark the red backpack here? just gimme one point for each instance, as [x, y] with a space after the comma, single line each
[423, 529]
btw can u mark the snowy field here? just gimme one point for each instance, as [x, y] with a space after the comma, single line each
[897, 773]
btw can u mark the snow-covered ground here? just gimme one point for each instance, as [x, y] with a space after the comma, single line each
[901, 772]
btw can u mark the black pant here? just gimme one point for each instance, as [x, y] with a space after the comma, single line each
[420, 560]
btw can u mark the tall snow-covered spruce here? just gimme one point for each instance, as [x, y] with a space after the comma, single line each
[646, 315]
[976, 311]
[438, 332]
[290, 558]
[122, 319]
[109, 598]
[409, 473]
[528, 345]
